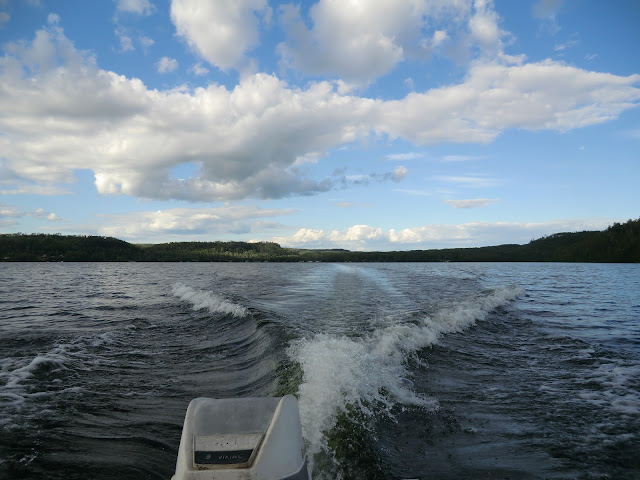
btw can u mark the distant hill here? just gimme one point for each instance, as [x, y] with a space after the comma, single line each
[20, 247]
[618, 243]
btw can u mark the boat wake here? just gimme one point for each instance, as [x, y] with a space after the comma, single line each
[368, 376]
[201, 299]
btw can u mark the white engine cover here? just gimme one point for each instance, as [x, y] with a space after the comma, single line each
[242, 438]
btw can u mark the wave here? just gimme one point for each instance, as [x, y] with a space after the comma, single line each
[370, 372]
[54, 371]
[19, 376]
[616, 382]
[48, 362]
[201, 299]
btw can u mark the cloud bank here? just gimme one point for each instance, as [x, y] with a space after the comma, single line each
[61, 112]
[9, 215]
[191, 223]
[366, 237]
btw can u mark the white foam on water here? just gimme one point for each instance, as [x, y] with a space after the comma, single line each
[201, 299]
[14, 378]
[371, 371]
[18, 386]
[55, 358]
[618, 392]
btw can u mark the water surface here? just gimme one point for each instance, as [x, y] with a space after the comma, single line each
[438, 371]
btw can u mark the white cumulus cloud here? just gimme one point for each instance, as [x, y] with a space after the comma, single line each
[367, 237]
[220, 31]
[484, 28]
[496, 96]
[399, 173]
[360, 41]
[198, 69]
[61, 112]
[146, 42]
[140, 7]
[166, 65]
[8, 211]
[9, 215]
[190, 223]
[126, 43]
[357, 41]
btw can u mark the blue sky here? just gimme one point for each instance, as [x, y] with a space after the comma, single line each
[366, 125]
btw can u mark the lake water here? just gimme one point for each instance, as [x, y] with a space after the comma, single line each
[429, 371]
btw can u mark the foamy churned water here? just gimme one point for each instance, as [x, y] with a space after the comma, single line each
[201, 299]
[370, 372]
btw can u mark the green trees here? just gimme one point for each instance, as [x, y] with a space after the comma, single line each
[212, 252]
[619, 243]
[69, 248]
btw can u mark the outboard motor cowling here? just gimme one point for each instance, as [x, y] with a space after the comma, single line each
[242, 438]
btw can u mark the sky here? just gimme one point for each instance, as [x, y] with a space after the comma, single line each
[356, 124]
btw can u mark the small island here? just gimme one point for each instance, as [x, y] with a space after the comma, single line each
[620, 243]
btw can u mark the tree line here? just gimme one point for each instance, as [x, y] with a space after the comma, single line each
[618, 243]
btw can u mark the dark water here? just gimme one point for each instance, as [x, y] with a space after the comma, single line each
[430, 371]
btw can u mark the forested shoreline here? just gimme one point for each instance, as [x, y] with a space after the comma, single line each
[619, 243]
